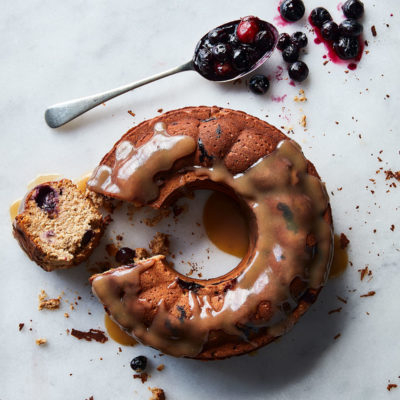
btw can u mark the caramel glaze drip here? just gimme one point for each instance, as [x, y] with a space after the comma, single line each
[289, 241]
[132, 176]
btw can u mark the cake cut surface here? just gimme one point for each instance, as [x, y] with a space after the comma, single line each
[57, 225]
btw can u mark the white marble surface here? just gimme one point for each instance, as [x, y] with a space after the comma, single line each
[53, 51]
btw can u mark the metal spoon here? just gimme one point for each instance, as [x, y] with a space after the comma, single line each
[61, 113]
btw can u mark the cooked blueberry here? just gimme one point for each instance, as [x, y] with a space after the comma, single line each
[217, 35]
[221, 51]
[353, 9]
[193, 286]
[265, 40]
[223, 69]
[47, 199]
[292, 10]
[330, 30]
[259, 84]
[290, 53]
[283, 41]
[203, 61]
[350, 27]
[298, 71]
[346, 47]
[241, 60]
[299, 39]
[319, 16]
[87, 237]
[247, 29]
[139, 363]
[125, 255]
[232, 39]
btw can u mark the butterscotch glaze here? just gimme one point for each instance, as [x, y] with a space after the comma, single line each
[290, 252]
[131, 178]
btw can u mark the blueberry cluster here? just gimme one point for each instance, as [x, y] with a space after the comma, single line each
[344, 37]
[233, 48]
[290, 47]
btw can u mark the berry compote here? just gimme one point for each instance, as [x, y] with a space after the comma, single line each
[234, 48]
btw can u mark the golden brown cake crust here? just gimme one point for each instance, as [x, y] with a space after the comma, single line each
[240, 140]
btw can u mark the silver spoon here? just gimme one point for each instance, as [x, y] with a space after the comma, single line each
[61, 113]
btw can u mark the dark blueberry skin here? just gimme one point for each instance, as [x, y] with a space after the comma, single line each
[221, 51]
[283, 41]
[298, 71]
[241, 60]
[218, 35]
[346, 47]
[299, 39]
[350, 28]
[139, 363]
[203, 61]
[46, 198]
[265, 40]
[319, 16]
[259, 84]
[292, 10]
[87, 238]
[353, 9]
[125, 255]
[330, 30]
[290, 53]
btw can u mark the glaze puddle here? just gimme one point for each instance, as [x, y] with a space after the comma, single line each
[225, 224]
[117, 334]
[340, 259]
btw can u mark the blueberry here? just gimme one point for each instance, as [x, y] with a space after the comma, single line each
[350, 27]
[346, 47]
[86, 238]
[217, 35]
[265, 40]
[298, 71]
[299, 39]
[203, 60]
[46, 198]
[330, 30]
[283, 41]
[139, 363]
[290, 53]
[259, 84]
[319, 16]
[353, 9]
[221, 51]
[292, 10]
[125, 255]
[241, 60]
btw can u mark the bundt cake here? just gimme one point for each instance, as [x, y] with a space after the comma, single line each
[57, 225]
[289, 216]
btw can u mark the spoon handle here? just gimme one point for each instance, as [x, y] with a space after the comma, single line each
[61, 113]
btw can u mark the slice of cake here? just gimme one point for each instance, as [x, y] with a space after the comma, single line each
[57, 225]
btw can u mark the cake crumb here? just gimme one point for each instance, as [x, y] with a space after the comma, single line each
[373, 30]
[391, 386]
[160, 244]
[48, 304]
[303, 121]
[301, 97]
[41, 341]
[160, 367]
[337, 336]
[157, 394]
[141, 253]
[390, 174]
[130, 112]
[160, 110]
[344, 241]
[142, 376]
[369, 294]
[20, 326]
[66, 315]
[157, 218]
